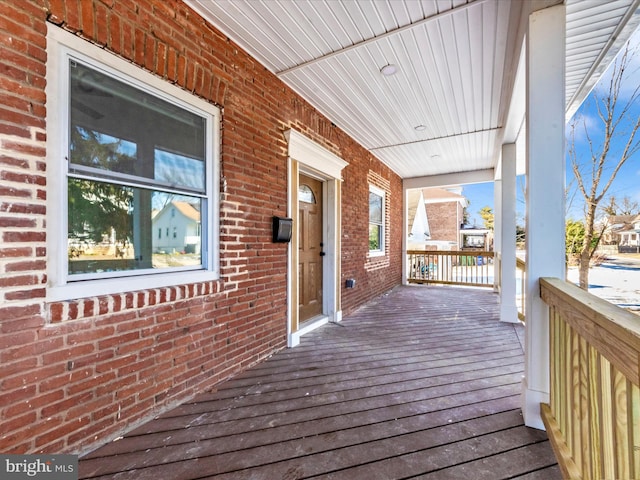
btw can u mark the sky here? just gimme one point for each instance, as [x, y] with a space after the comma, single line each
[627, 181]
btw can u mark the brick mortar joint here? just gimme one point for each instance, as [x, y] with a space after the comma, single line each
[29, 157]
[128, 301]
[32, 140]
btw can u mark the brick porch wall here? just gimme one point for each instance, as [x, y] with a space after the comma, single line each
[443, 220]
[78, 373]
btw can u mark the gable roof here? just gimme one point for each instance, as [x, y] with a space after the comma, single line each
[189, 210]
[437, 195]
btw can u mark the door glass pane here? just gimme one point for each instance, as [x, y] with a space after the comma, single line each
[305, 194]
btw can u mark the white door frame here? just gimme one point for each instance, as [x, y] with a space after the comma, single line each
[309, 158]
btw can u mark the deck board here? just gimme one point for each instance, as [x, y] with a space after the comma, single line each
[423, 382]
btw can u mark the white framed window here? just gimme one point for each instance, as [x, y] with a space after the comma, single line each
[376, 221]
[128, 154]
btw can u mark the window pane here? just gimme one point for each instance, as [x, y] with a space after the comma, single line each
[305, 194]
[178, 170]
[110, 228]
[375, 208]
[374, 237]
[98, 150]
[119, 129]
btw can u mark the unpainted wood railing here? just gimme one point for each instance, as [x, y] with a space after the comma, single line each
[593, 417]
[470, 268]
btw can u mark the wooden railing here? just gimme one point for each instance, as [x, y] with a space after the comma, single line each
[470, 268]
[593, 417]
[521, 268]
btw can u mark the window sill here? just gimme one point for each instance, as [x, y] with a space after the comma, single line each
[96, 288]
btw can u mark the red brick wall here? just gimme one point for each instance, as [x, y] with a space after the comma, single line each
[77, 373]
[374, 275]
[444, 218]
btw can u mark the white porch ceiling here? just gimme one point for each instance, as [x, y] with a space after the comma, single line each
[457, 62]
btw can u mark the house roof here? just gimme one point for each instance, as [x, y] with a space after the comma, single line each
[458, 93]
[436, 195]
[618, 222]
[189, 210]
[615, 219]
[474, 230]
[626, 228]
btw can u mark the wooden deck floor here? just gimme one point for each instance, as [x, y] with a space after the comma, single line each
[423, 382]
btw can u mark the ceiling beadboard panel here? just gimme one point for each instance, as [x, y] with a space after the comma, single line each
[456, 62]
[595, 32]
[441, 156]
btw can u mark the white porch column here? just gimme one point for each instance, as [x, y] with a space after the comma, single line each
[545, 193]
[497, 231]
[405, 233]
[508, 307]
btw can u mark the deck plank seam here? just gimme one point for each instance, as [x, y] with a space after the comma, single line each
[390, 437]
[505, 362]
[370, 424]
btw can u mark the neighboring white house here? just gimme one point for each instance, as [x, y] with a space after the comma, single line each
[176, 228]
[622, 231]
[630, 234]
[472, 236]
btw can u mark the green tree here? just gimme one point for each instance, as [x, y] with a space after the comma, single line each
[96, 208]
[486, 213]
[465, 213]
[574, 239]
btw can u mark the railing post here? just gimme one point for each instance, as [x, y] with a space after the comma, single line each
[449, 268]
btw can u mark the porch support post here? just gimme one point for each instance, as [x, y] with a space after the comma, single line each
[497, 231]
[545, 193]
[508, 307]
[405, 233]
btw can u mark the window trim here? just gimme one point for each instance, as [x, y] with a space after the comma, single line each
[382, 250]
[61, 46]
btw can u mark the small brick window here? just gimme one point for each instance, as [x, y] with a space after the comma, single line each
[376, 220]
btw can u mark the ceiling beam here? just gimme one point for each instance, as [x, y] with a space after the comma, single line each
[433, 139]
[449, 179]
[517, 105]
[390, 33]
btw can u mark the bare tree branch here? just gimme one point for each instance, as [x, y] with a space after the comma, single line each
[616, 115]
